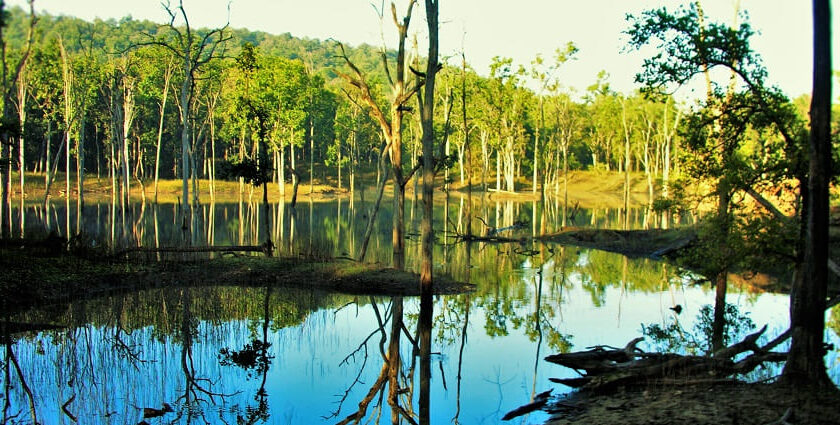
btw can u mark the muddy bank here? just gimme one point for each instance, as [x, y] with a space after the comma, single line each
[32, 279]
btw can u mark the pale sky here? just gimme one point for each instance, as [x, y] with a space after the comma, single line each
[485, 28]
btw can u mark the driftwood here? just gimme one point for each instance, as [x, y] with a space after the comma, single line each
[539, 402]
[607, 368]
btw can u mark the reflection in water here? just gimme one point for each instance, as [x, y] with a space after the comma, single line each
[329, 229]
[274, 355]
[263, 355]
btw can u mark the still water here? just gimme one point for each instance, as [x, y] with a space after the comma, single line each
[280, 356]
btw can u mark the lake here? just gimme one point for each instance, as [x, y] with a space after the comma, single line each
[219, 354]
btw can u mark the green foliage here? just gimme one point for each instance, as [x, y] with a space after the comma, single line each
[744, 136]
[253, 172]
[686, 48]
[671, 337]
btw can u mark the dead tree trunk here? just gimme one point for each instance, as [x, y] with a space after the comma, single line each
[390, 124]
[167, 77]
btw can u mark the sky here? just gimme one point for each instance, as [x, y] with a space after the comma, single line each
[483, 29]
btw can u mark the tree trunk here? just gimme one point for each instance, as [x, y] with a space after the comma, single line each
[282, 170]
[627, 131]
[394, 362]
[311, 153]
[805, 364]
[47, 168]
[498, 171]
[80, 161]
[21, 86]
[720, 278]
[427, 118]
[485, 156]
[295, 176]
[194, 169]
[212, 155]
[166, 78]
[537, 146]
[338, 163]
[565, 182]
[468, 152]
[185, 146]
[128, 119]
[372, 216]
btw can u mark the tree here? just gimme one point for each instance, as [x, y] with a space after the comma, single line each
[544, 74]
[427, 231]
[195, 49]
[603, 129]
[255, 111]
[507, 101]
[162, 74]
[805, 364]
[9, 125]
[391, 123]
[716, 131]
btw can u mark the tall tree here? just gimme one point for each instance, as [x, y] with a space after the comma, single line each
[10, 125]
[427, 231]
[390, 123]
[194, 49]
[545, 76]
[167, 65]
[716, 131]
[805, 364]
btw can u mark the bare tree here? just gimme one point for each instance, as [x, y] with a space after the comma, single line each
[195, 49]
[427, 231]
[390, 123]
[167, 78]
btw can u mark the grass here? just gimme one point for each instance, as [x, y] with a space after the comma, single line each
[169, 190]
[589, 189]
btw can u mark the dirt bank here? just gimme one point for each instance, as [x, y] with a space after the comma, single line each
[732, 403]
[33, 276]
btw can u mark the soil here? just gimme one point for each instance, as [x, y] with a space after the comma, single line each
[719, 404]
[38, 276]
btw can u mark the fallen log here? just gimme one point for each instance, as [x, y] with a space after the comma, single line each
[598, 359]
[190, 249]
[608, 369]
[539, 402]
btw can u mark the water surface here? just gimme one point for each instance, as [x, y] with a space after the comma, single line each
[263, 355]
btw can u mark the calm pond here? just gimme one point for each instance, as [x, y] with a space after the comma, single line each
[256, 355]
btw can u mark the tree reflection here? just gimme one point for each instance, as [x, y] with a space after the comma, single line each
[671, 337]
[9, 360]
[394, 376]
[255, 359]
[197, 390]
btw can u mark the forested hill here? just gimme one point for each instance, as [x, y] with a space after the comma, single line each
[110, 37]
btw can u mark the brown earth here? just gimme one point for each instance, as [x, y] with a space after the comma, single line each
[732, 403]
[36, 276]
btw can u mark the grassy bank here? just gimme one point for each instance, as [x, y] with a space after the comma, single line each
[588, 189]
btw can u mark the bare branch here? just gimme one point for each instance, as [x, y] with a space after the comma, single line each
[358, 81]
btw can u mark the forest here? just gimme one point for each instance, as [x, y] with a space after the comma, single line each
[99, 92]
[194, 146]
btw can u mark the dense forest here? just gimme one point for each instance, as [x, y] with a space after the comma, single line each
[134, 103]
[101, 93]
[108, 98]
